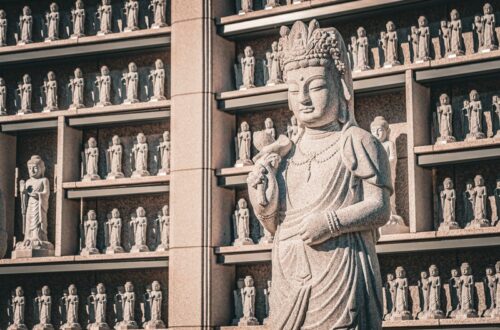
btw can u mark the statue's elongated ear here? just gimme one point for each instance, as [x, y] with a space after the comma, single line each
[347, 92]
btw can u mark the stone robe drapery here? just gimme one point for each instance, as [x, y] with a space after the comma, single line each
[106, 19]
[100, 310]
[156, 299]
[336, 284]
[45, 303]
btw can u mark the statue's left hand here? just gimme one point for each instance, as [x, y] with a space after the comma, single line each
[315, 229]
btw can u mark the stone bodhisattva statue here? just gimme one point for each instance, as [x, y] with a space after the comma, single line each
[91, 161]
[158, 7]
[164, 149]
[78, 19]
[131, 82]
[157, 77]
[248, 303]
[103, 83]
[50, 92]
[390, 45]
[456, 45]
[3, 28]
[152, 301]
[248, 69]
[114, 159]
[448, 197]
[96, 308]
[43, 309]
[69, 309]
[139, 157]
[77, 86]
[16, 309]
[485, 29]
[25, 27]
[139, 226]
[113, 233]
[246, 6]
[467, 295]
[89, 234]
[52, 23]
[473, 111]
[495, 100]
[360, 50]
[243, 142]
[445, 120]
[274, 66]
[125, 307]
[3, 98]
[430, 295]
[478, 198]
[327, 193]
[162, 229]
[422, 52]
[105, 15]
[241, 224]
[25, 92]
[34, 194]
[131, 11]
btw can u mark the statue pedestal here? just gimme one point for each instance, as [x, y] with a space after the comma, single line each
[248, 321]
[130, 29]
[89, 251]
[139, 248]
[154, 325]
[113, 176]
[17, 327]
[243, 162]
[475, 136]
[447, 226]
[401, 316]
[98, 326]
[125, 325]
[73, 326]
[163, 172]
[157, 26]
[103, 104]
[495, 312]
[162, 248]
[157, 99]
[27, 249]
[445, 140]
[43, 327]
[243, 241]
[475, 224]
[90, 177]
[266, 240]
[467, 314]
[140, 174]
[114, 250]
[130, 101]
[76, 106]
[434, 315]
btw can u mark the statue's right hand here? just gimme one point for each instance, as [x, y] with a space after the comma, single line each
[264, 173]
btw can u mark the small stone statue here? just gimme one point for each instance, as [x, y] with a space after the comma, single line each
[445, 33]
[158, 7]
[105, 14]
[103, 83]
[241, 224]
[267, 292]
[467, 309]
[139, 226]
[163, 229]
[448, 202]
[153, 302]
[89, 233]
[274, 65]
[456, 42]
[243, 146]
[35, 193]
[468, 201]
[43, 310]
[3, 28]
[390, 45]
[487, 37]
[25, 92]
[78, 19]
[473, 111]
[17, 306]
[424, 39]
[401, 311]
[50, 90]
[496, 197]
[434, 311]
[423, 285]
[77, 85]
[269, 128]
[479, 28]
[390, 297]
[270, 4]
[96, 306]
[91, 161]
[490, 284]
[381, 130]
[52, 23]
[69, 308]
[455, 293]
[360, 51]
[496, 109]
[131, 11]
[113, 233]
[292, 130]
[246, 6]
[114, 159]
[25, 27]
[125, 307]
[496, 311]
[445, 120]
[139, 157]
[248, 297]
[131, 81]
[479, 198]
[238, 301]
[3, 98]
[248, 69]
[164, 150]
[157, 76]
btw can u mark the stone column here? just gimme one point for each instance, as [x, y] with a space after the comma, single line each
[199, 289]
[7, 189]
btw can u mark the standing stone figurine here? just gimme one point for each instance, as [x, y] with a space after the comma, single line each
[479, 28]
[490, 284]
[35, 193]
[248, 69]
[496, 311]
[424, 40]
[241, 224]
[473, 111]
[69, 308]
[105, 15]
[89, 234]
[114, 159]
[91, 161]
[267, 292]
[479, 199]
[311, 220]
[25, 92]
[131, 81]
[125, 308]
[43, 310]
[248, 297]
[390, 45]
[246, 7]
[16, 309]
[456, 41]
[158, 7]
[78, 19]
[496, 197]
[445, 120]
[77, 86]
[360, 50]
[401, 311]
[139, 157]
[238, 301]
[390, 297]
[97, 307]
[25, 27]
[467, 303]
[50, 90]
[163, 229]
[487, 38]
[496, 109]
[164, 150]
[273, 66]
[243, 146]
[3, 98]
[113, 233]
[157, 77]
[153, 303]
[139, 226]
[52, 23]
[381, 130]
[292, 130]
[445, 33]
[424, 286]
[3, 28]
[434, 311]
[448, 201]
[455, 293]
[103, 83]
[131, 11]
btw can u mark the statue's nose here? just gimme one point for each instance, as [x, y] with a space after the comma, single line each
[304, 97]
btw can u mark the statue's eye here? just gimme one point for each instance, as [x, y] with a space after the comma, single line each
[317, 85]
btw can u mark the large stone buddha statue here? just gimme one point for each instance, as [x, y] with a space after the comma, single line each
[326, 192]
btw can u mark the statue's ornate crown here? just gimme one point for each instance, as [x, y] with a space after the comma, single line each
[312, 46]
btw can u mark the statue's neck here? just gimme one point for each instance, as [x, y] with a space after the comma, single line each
[317, 133]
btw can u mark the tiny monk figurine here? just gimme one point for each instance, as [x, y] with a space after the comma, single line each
[158, 7]
[131, 11]
[3, 97]
[52, 23]
[104, 14]
[43, 307]
[445, 120]
[157, 77]
[77, 85]
[89, 234]
[17, 307]
[103, 83]
[140, 157]
[25, 27]
[91, 161]
[25, 92]
[50, 90]
[3, 28]
[248, 69]
[78, 19]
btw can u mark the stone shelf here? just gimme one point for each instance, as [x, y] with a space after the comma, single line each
[79, 263]
[117, 187]
[389, 244]
[86, 46]
[232, 177]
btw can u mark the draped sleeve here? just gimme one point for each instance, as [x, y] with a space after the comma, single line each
[365, 157]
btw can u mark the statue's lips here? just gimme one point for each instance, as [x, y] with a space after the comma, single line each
[306, 110]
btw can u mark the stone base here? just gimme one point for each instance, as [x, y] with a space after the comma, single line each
[266, 321]
[140, 174]
[270, 7]
[243, 162]
[243, 241]
[497, 136]
[139, 248]
[98, 326]
[76, 36]
[447, 226]
[24, 112]
[495, 312]
[445, 139]
[130, 101]
[474, 137]
[43, 327]
[113, 176]
[28, 249]
[454, 55]
[123, 325]
[274, 82]
[248, 321]
[17, 327]
[434, 315]
[47, 109]
[76, 106]
[488, 49]
[154, 325]
[103, 33]
[161, 248]
[91, 177]
[163, 172]
[24, 42]
[401, 316]
[395, 225]
[72, 326]
[245, 87]
[51, 39]
[130, 29]
[242, 12]
[88, 252]
[157, 26]
[157, 98]
[103, 104]
[475, 224]
[114, 250]
[266, 240]
[361, 68]
[390, 65]
[469, 314]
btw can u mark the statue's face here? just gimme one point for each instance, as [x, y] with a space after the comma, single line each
[141, 138]
[19, 291]
[390, 277]
[116, 140]
[26, 11]
[478, 180]
[269, 123]
[454, 15]
[2, 82]
[51, 75]
[489, 271]
[104, 71]
[2, 14]
[434, 271]
[132, 67]
[72, 290]
[159, 64]
[242, 204]
[314, 95]
[248, 281]
[465, 269]
[390, 26]
[469, 185]
[422, 21]
[448, 184]
[166, 136]
[454, 272]
[156, 286]
[45, 291]
[444, 99]
[26, 79]
[79, 4]
[487, 9]
[361, 32]
[92, 143]
[424, 275]
[400, 273]
[141, 212]
[91, 215]
[165, 210]
[78, 73]
[101, 289]
[248, 52]
[115, 213]
[34, 170]
[245, 127]
[53, 7]
[129, 287]
[379, 132]
[274, 46]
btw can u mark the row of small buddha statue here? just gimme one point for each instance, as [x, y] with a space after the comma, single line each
[52, 25]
